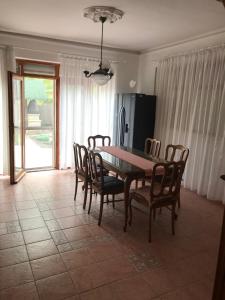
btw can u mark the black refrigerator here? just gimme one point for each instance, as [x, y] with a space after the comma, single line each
[135, 119]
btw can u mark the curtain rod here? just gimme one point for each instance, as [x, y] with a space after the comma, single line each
[192, 51]
[55, 52]
[86, 58]
[78, 57]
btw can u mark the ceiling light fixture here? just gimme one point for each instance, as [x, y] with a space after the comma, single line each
[102, 14]
[223, 1]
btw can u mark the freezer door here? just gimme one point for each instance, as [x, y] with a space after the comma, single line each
[144, 120]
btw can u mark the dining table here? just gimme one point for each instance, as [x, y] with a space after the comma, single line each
[130, 164]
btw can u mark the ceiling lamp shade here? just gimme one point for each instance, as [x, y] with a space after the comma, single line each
[102, 14]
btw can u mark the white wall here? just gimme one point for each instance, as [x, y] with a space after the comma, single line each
[126, 63]
[148, 61]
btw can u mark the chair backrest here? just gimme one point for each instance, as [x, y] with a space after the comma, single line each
[152, 147]
[96, 168]
[176, 153]
[167, 185]
[80, 158]
[98, 140]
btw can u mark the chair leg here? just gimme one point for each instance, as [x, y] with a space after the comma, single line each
[173, 218]
[101, 210]
[85, 194]
[130, 213]
[113, 200]
[90, 201]
[107, 199]
[150, 226]
[143, 183]
[76, 185]
[178, 200]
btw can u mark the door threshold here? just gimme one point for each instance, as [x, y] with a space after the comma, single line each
[40, 169]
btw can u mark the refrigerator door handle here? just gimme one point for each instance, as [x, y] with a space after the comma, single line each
[122, 125]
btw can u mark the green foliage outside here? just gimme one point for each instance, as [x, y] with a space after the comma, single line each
[40, 90]
[42, 139]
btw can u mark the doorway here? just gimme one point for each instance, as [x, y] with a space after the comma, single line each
[39, 96]
[34, 105]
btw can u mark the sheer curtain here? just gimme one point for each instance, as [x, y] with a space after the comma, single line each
[3, 113]
[86, 109]
[191, 111]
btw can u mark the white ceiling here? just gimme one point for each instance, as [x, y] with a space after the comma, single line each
[146, 24]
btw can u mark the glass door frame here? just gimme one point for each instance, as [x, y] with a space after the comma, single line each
[20, 64]
[14, 178]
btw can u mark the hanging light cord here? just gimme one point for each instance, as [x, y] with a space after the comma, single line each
[105, 72]
[102, 19]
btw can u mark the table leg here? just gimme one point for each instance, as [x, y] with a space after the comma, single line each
[127, 184]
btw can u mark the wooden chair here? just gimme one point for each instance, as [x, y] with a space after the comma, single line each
[81, 170]
[98, 140]
[152, 147]
[177, 153]
[160, 194]
[219, 281]
[103, 184]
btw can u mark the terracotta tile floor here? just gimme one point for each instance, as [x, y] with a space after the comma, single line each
[50, 248]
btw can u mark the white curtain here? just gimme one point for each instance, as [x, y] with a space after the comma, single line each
[191, 111]
[3, 113]
[86, 109]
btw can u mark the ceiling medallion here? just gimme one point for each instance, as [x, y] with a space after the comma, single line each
[102, 14]
[111, 14]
